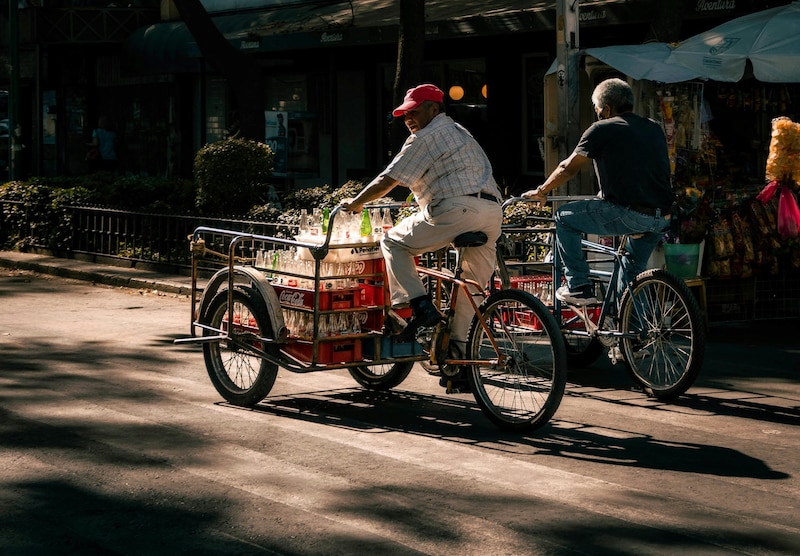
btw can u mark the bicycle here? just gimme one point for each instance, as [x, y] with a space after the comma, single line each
[655, 327]
[515, 358]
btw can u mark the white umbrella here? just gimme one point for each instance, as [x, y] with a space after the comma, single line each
[644, 61]
[770, 39]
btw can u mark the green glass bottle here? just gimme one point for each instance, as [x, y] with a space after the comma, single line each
[326, 215]
[366, 224]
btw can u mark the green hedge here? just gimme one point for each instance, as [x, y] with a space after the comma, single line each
[232, 176]
[35, 212]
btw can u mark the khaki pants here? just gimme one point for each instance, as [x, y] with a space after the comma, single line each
[431, 229]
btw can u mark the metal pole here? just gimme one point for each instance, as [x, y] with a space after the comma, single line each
[567, 54]
[14, 129]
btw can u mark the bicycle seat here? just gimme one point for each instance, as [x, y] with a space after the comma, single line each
[470, 239]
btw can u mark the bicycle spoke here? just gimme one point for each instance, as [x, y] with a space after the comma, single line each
[661, 334]
[525, 387]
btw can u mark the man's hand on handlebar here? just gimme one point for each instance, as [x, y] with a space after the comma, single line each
[350, 205]
[537, 194]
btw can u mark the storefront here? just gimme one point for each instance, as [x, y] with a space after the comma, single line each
[719, 135]
[330, 72]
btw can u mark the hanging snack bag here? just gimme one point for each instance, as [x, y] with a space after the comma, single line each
[783, 162]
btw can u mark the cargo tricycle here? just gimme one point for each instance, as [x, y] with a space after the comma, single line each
[318, 300]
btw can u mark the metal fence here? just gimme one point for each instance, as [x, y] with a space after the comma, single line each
[132, 237]
[155, 238]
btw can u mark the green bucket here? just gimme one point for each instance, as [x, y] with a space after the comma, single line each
[682, 259]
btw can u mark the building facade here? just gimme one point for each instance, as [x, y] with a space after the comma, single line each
[329, 68]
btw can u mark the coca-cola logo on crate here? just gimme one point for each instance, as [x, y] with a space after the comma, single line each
[294, 299]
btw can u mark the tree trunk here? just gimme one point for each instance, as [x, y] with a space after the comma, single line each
[410, 59]
[243, 73]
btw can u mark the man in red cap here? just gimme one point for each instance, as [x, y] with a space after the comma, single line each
[451, 179]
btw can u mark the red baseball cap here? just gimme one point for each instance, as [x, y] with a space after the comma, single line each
[416, 96]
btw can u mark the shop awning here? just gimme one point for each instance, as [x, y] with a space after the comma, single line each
[278, 26]
[644, 61]
[769, 40]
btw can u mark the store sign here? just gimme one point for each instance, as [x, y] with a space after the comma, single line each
[327, 38]
[589, 15]
[707, 6]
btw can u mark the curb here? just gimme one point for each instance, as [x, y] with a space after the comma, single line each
[96, 273]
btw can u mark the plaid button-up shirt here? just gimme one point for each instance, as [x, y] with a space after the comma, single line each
[442, 160]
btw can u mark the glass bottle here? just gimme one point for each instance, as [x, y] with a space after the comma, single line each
[377, 226]
[326, 215]
[386, 220]
[303, 223]
[366, 225]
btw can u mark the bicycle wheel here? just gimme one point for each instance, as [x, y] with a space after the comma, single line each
[524, 390]
[241, 376]
[382, 376]
[664, 339]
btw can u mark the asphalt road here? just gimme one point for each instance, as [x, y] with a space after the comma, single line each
[113, 441]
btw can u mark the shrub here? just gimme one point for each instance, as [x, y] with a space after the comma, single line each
[231, 176]
[37, 213]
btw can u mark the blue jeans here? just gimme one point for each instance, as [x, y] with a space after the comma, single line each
[597, 216]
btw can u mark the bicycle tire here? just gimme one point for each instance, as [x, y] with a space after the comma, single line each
[241, 377]
[381, 376]
[666, 356]
[523, 393]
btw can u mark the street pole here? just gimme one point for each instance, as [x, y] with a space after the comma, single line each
[567, 54]
[14, 130]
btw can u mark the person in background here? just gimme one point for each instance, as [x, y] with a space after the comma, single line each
[631, 163]
[104, 138]
[451, 179]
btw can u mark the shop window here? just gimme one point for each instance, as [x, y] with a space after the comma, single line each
[533, 132]
[292, 129]
[466, 95]
[216, 110]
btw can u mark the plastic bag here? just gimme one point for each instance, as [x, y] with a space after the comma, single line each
[768, 192]
[788, 214]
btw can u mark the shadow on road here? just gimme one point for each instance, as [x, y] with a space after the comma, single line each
[460, 421]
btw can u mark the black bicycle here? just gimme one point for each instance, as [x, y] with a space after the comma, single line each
[655, 326]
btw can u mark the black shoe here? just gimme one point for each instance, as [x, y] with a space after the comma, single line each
[393, 323]
[458, 384]
[425, 314]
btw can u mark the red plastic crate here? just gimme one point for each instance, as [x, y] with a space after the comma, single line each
[372, 295]
[345, 350]
[520, 282]
[528, 319]
[593, 312]
[330, 300]
[374, 318]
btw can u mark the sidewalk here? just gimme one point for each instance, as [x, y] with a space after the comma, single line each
[117, 276]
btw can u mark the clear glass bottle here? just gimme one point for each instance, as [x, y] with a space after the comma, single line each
[303, 231]
[386, 220]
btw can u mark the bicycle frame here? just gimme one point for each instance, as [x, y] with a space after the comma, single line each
[461, 286]
[608, 279]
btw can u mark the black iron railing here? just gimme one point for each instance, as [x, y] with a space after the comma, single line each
[154, 238]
